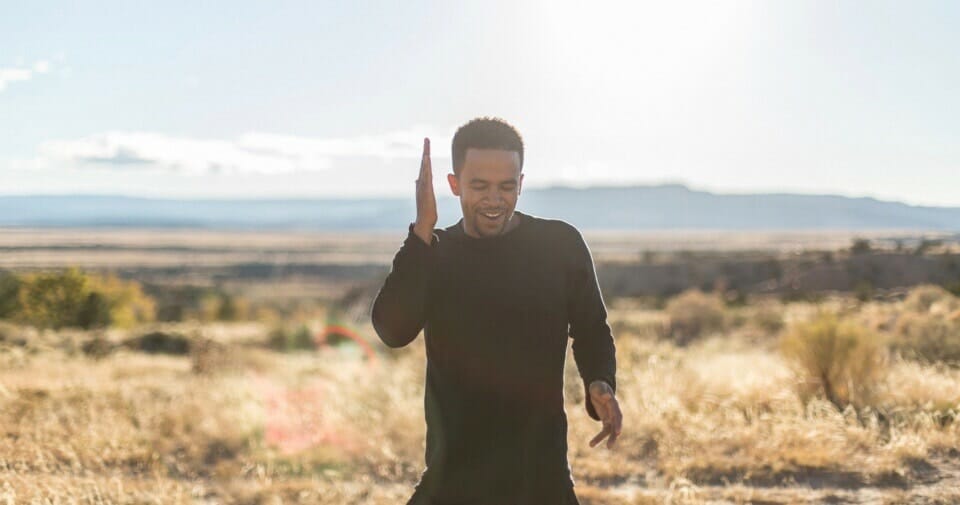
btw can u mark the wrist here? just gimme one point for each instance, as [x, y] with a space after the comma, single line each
[424, 231]
[601, 386]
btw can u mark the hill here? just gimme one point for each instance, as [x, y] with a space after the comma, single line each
[597, 208]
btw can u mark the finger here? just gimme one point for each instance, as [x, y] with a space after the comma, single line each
[612, 440]
[616, 416]
[426, 167]
[600, 436]
[616, 424]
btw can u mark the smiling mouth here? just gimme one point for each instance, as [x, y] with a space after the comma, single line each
[492, 215]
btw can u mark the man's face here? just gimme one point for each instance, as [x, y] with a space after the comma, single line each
[488, 187]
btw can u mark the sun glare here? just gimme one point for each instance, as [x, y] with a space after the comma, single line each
[634, 46]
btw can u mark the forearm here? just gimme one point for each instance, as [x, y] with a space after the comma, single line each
[593, 346]
[595, 354]
[399, 310]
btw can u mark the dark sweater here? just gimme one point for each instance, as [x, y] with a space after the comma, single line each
[497, 313]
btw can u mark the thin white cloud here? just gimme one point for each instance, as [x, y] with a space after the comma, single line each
[251, 153]
[14, 74]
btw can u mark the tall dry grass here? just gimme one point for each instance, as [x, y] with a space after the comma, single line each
[838, 359]
[718, 420]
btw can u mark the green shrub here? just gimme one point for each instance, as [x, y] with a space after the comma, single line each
[76, 299]
[692, 314]
[285, 338]
[95, 312]
[219, 306]
[123, 302]
[53, 299]
[9, 287]
[841, 360]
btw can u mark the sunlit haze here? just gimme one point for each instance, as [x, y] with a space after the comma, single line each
[332, 99]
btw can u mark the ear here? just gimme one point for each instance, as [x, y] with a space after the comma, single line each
[519, 184]
[454, 184]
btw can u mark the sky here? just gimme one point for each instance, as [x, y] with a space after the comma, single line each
[247, 99]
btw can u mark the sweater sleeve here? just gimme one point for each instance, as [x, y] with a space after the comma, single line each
[593, 346]
[400, 309]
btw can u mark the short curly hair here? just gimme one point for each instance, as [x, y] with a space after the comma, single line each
[485, 133]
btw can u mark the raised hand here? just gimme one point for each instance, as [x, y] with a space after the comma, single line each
[426, 200]
[608, 409]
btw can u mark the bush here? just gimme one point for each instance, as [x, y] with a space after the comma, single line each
[860, 246]
[176, 302]
[841, 360]
[117, 302]
[220, 306]
[768, 317]
[922, 298]
[285, 339]
[158, 342]
[692, 314]
[927, 338]
[52, 299]
[75, 299]
[9, 287]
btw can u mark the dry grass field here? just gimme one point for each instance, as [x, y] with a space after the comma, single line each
[722, 404]
[718, 421]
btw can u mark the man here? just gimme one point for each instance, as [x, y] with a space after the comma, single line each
[498, 293]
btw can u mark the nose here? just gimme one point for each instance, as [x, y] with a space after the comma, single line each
[494, 195]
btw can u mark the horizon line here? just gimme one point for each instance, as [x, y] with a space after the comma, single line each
[554, 187]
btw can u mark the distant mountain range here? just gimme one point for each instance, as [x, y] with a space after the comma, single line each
[612, 208]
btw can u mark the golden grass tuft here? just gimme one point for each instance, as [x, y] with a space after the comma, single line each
[927, 337]
[922, 299]
[693, 314]
[838, 359]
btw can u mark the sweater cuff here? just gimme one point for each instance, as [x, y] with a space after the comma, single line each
[414, 240]
[589, 403]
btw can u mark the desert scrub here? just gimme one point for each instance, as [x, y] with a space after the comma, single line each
[767, 316]
[928, 338]
[693, 314]
[838, 359]
[930, 298]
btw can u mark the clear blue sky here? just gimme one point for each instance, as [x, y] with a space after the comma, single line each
[276, 99]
